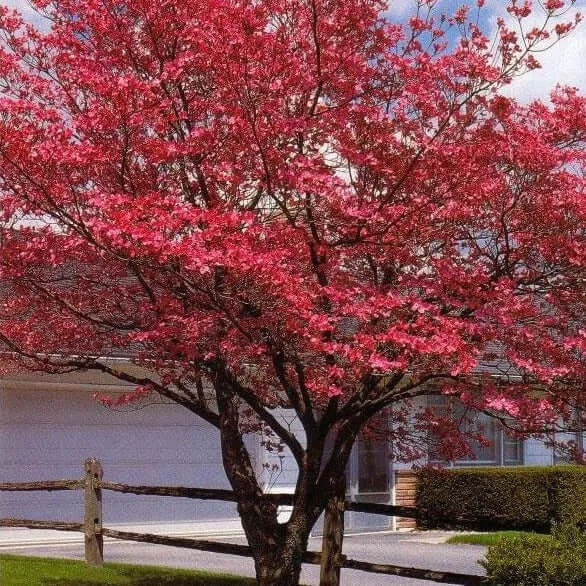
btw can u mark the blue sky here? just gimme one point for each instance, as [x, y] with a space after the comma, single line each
[565, 63]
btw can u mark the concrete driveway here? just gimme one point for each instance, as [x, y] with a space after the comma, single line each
[417, 549]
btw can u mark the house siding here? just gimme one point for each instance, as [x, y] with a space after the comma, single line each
[536, 453]
[50, 425]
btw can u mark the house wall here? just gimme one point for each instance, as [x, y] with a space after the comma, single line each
[536, 453]
[405, 492]
[50, 425]
[278, 472]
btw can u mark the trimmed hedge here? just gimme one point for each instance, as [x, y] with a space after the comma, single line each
[538, 560]
[528, 498]
[570, 495]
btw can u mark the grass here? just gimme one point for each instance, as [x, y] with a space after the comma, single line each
[16, 570]
[485, 538]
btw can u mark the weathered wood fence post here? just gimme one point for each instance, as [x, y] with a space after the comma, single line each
[332, 558]
[94, 542]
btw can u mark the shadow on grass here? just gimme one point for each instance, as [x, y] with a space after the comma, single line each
[145, 578]
[18, 570]
[154, 580]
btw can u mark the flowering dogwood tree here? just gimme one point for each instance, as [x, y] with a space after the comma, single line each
[300, 204]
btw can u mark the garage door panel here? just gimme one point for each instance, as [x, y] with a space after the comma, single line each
[38, 406]
[51, 437]
[167, 474]
[57, 464]
[66, 508]
[117, 508]
[46, 436]
[111, 439]
[29, 472]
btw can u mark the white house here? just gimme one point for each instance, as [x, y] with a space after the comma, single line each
[49, 425]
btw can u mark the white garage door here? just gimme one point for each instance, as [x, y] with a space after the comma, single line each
[47, 434]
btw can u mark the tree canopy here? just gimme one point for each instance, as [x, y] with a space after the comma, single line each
[305, 203]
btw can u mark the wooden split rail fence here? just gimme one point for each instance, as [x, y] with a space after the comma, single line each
[92, 484]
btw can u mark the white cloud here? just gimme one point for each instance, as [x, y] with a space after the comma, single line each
[564, 63]
[401, 8]
[27, 11]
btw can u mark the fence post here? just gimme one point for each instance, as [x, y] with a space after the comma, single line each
[94, 542]
[333, 537]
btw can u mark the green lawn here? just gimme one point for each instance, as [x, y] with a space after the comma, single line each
[485, 538]
[16, 570]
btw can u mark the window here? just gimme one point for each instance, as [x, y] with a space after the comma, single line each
[512, 450]
[501, 450]
[575, 441]
[373, 466]
[576, 447]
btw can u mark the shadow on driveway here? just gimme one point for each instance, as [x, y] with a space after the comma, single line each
[415, 549]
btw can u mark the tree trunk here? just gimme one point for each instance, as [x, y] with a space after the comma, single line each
[333, 535]
[277, 548]
[280, 567]
[278, 554]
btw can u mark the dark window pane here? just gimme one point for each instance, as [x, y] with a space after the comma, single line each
[482, 424]
[373, 466]
[512, 451]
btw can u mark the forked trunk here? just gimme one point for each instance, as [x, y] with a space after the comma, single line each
[278, 556]
[280, 567]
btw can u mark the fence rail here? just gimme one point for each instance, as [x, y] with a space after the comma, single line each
[418, 573]
[33, 524]
[42, 485]
[202, 494]
[94, 532]
[215, 494]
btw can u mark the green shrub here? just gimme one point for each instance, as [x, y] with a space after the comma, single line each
[570, 495]
[527, 498]
[539, 560]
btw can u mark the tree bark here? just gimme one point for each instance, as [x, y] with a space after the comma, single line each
[281, 564]
[333, 534]
[278, 548]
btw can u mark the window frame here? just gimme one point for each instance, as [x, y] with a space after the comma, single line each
[498, 438]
